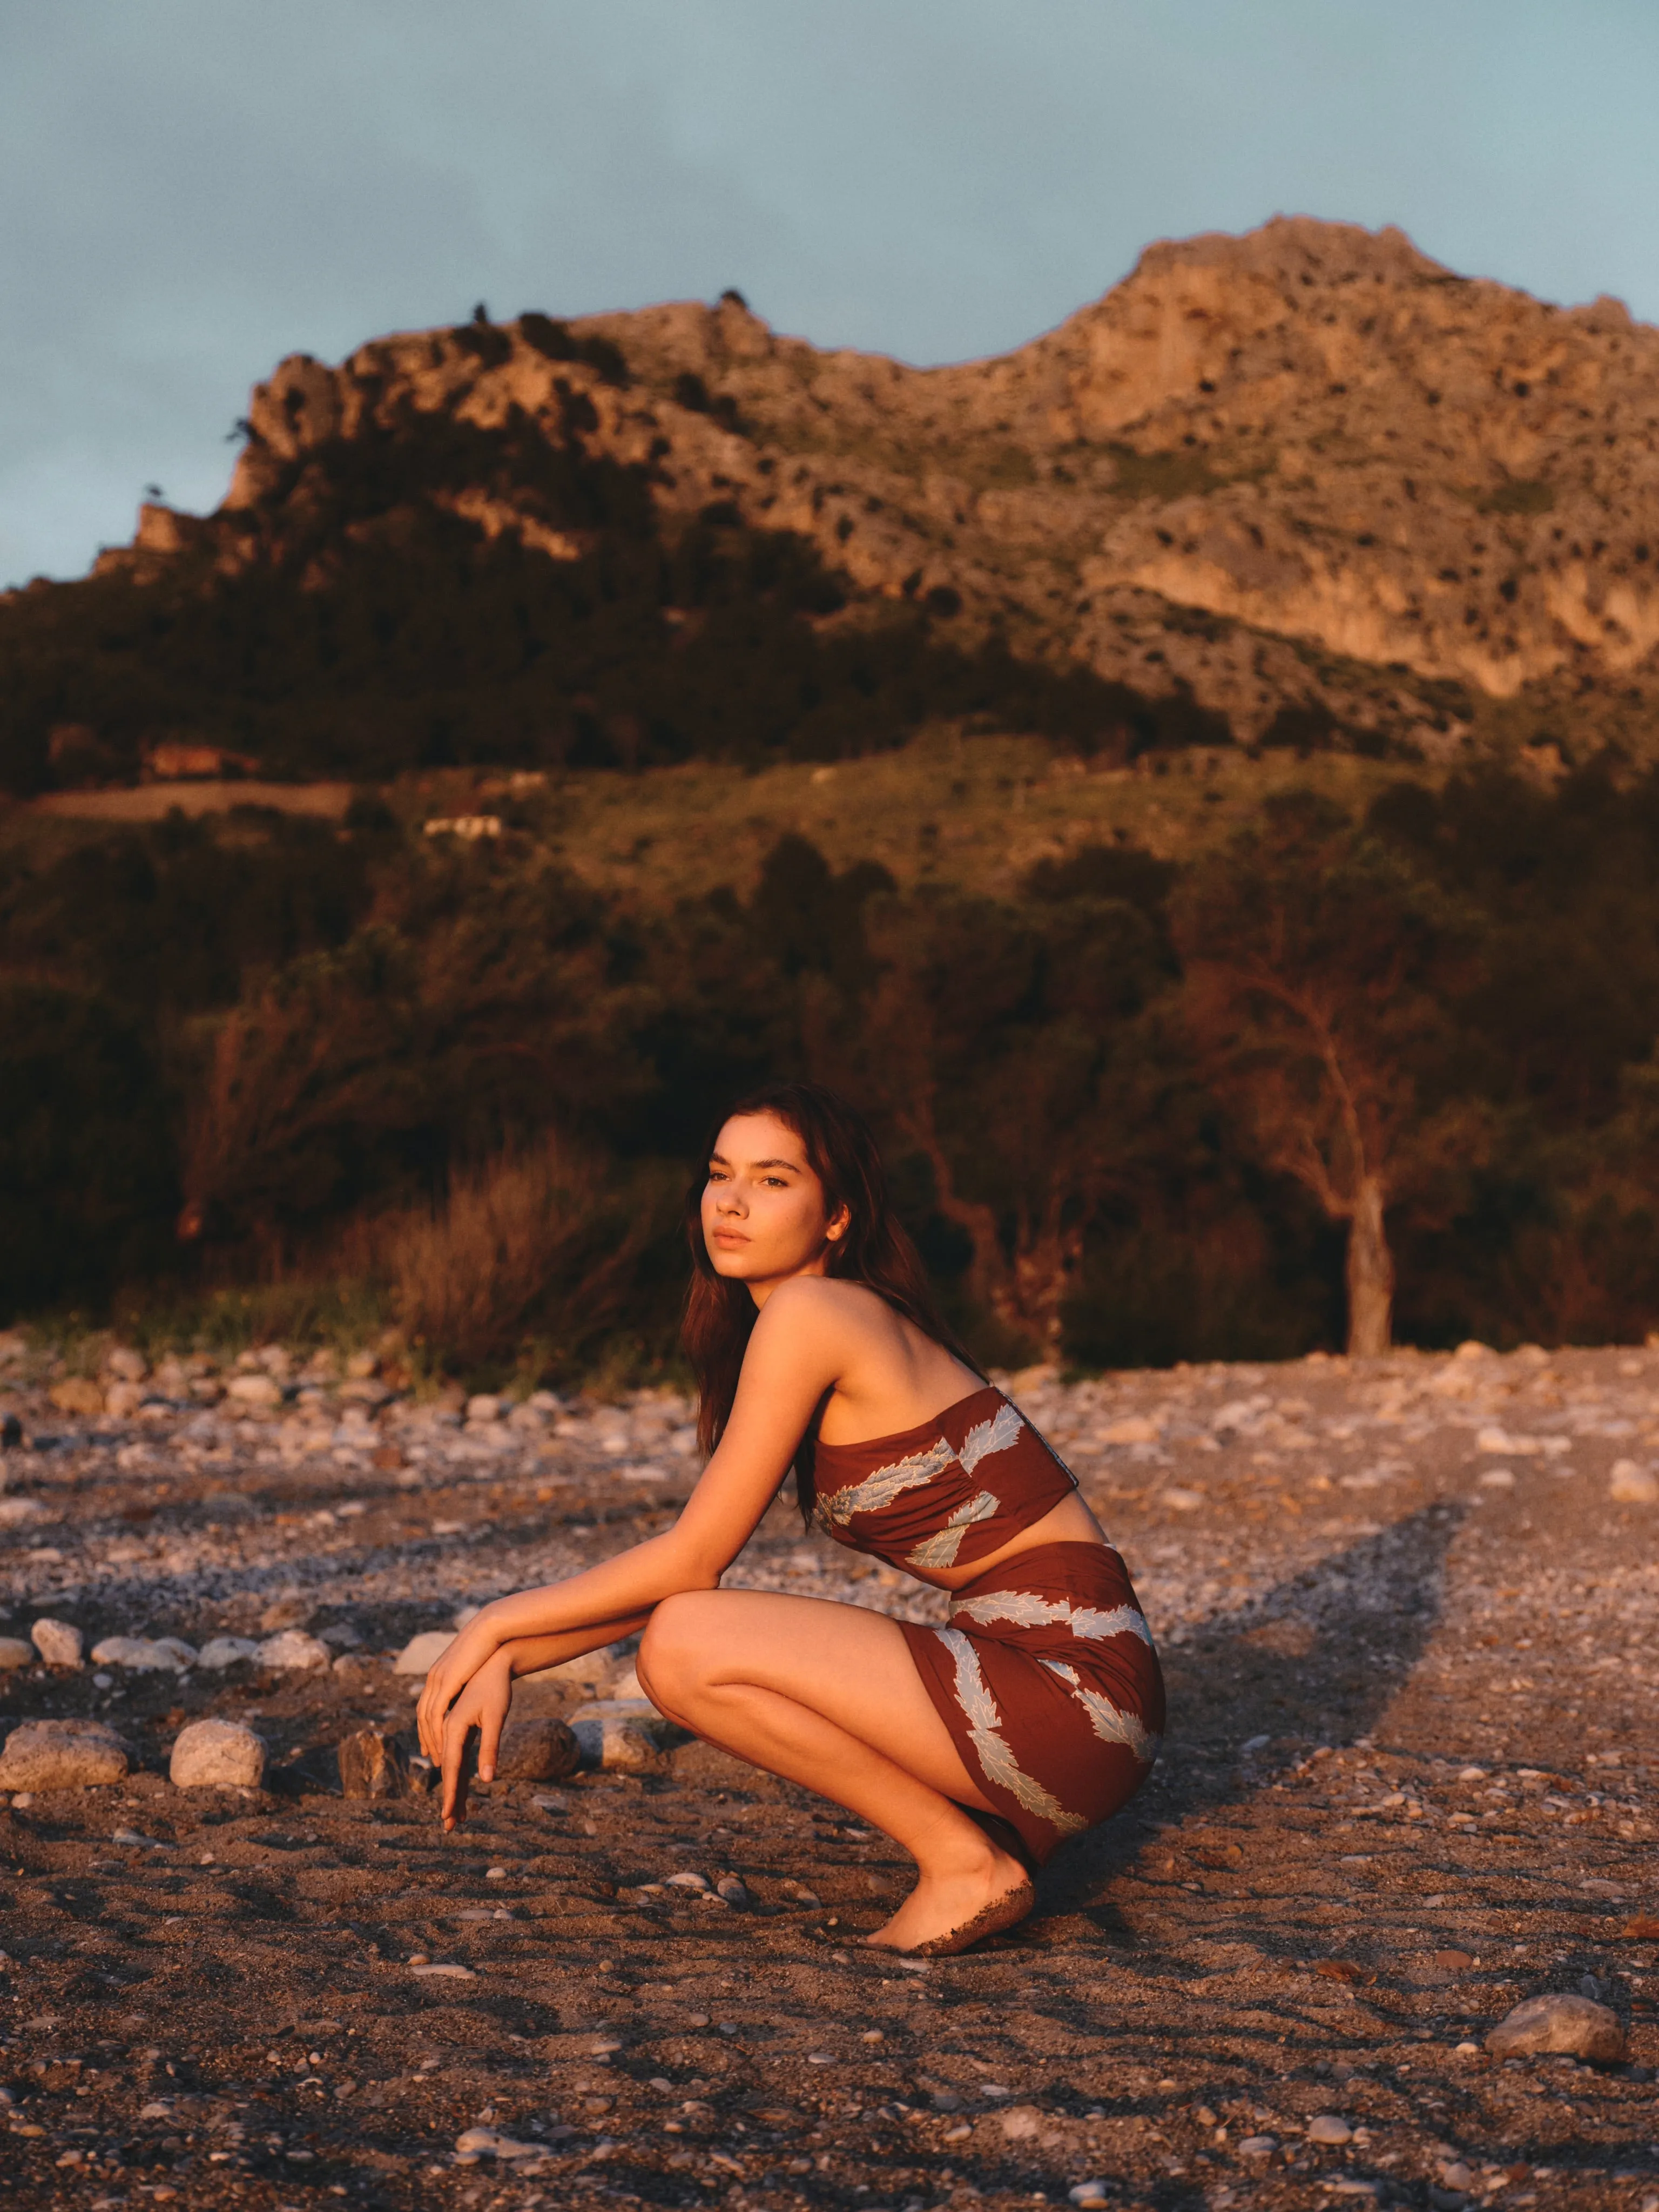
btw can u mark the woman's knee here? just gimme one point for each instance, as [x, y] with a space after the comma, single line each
[674, 1650]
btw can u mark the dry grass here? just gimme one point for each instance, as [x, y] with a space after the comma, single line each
[531, 1242]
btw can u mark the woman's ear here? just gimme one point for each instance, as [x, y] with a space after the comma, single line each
[838, 1224]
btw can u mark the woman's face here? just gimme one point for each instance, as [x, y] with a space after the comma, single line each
[763, 1217]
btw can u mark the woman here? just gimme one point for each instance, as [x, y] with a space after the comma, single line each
[978, 1746]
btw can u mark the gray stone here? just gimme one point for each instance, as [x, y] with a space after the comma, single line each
[215, 1754]
[373, 1764]
[14, 1652]
[619, 1741]
[1574, 2024]
[59, 1643]
[220, 1651]
[422, 1653]
[291, 1651]
[538, 1749]
[62, 1755]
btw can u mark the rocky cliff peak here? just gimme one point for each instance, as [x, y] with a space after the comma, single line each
[1305, 470]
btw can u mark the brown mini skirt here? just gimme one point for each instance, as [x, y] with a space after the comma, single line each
[1048, 1681]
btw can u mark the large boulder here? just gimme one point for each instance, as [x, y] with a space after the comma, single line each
[62, 1755]
[214, 1754]
[1576, 2025]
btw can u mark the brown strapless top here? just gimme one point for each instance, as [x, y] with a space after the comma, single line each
[953, 1490]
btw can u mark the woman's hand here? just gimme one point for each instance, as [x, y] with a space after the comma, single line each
[482, 1704]
[476, 1646]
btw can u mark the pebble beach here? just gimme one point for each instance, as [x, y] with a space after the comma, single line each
[1408, 1608]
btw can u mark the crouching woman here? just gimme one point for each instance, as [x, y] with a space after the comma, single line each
[978, 1746]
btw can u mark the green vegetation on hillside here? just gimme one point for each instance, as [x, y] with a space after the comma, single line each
[363, 624]
[1106, 1028]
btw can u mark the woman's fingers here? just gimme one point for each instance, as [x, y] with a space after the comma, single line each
[456, 1732]
[491, 1715]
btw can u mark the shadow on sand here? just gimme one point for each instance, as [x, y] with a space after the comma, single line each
[1317, 1659]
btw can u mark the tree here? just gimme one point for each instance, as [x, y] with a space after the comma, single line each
[1319, 968]
[1003, 1043]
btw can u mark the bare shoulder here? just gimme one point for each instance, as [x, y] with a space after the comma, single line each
[819, 1302]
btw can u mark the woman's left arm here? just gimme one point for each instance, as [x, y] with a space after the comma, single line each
[794, 1355]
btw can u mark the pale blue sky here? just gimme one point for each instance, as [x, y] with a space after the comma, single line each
[192, 188]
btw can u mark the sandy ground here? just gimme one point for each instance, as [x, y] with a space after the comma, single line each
[1410, 1637]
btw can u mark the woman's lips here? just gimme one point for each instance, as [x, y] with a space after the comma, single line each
[730, 1237]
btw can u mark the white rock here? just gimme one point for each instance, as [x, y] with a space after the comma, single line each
[488, 2143]
[1559, 2023]
[1258, 2146]
[220, 1651]
[124, 1364]
[483, 1407]
[123, 1400]
[1630, 1485]
[422, 1653]
[61, 1755]
[214, 1754]
[1088, 2193]
[142, 1657]
[254, 1390]
[59, 1643]
[1499, 1440]
[1498, 1477]
[1131, 1429]
[1329, 2128]
[1182, 1501]
[292, 1650]
[16, 1509]
[14, 1652]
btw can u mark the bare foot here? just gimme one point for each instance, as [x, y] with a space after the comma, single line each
[949, 1909]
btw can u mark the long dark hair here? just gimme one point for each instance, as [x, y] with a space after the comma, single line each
[875, 1249]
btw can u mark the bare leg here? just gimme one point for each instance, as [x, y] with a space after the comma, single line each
[829, 1695]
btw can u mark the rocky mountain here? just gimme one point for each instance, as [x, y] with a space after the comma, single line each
[1304, 486]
